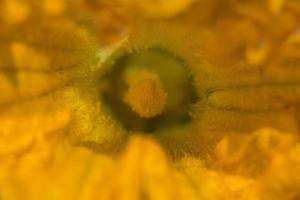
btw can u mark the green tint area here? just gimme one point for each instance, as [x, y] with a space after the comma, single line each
[175, 77]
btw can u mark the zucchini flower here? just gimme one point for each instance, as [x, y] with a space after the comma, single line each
[138, 99]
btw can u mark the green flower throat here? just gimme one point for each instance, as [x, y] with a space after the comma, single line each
[148, 90]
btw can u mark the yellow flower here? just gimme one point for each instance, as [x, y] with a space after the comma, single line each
[129, 99]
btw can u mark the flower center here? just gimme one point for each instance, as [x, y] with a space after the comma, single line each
[148, 90]
[145, 95]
